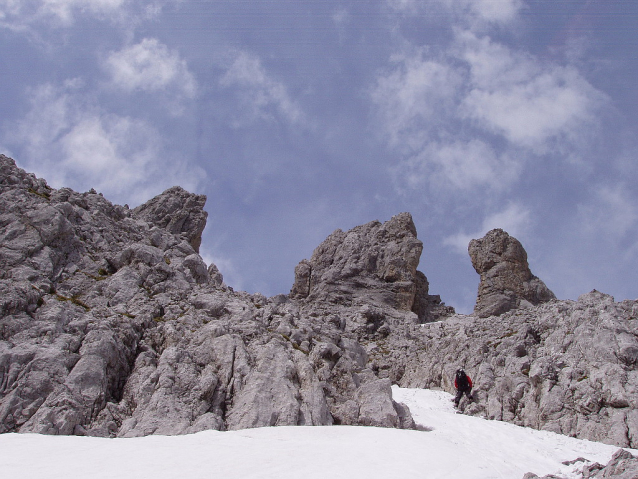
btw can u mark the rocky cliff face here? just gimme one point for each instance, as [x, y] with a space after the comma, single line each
[112, 325]
[178, 212]
[564, 366]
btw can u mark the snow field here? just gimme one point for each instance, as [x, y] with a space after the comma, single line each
[456, 447]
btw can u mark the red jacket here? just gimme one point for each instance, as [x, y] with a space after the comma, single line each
[469, 382]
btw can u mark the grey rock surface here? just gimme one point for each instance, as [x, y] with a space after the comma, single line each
[506, 280]
[565, 366]
[622, 465]
[112, 325]
[177, 211]
[373, 264]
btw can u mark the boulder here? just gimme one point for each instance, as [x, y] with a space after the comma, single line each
[622, 465]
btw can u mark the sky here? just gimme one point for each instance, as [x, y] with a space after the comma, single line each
[448, 446]
[298, 117]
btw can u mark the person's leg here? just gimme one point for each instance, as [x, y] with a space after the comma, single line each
[459, 395]
[468, 393]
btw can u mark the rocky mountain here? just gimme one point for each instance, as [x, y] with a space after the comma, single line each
[563, 366]
[111, 324]
[374, 264]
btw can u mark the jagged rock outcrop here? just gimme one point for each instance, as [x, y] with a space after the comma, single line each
[565, 366]
[373, 264]
[622, 465]
[178, 212]
[112, 325]
[506, 280]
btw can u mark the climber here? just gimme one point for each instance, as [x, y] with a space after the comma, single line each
[463, 385]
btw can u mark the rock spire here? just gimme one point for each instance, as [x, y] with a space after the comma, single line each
[506, 280]
[375, 263]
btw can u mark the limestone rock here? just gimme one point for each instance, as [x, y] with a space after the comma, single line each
[380, 259]
[563, 366]
[377, 409]
[622, 465]
[272, 395]
[112, 325]
[506, 280]
[177, 211]
[375, 263]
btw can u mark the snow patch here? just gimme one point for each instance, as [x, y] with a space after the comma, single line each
[456, 447]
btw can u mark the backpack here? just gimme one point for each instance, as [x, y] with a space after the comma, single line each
[461, 380]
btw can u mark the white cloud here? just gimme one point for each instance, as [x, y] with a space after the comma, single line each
[35, 17]
[69, 141]
[63, 9]
[418, 103]
[459, 165]
[475, 111]
[529, 102]
[150, 66]
[57, 12]
[515, 219]
[497, 11]
[258, 92]
[113, 153]
[475, 13]
[414, 96]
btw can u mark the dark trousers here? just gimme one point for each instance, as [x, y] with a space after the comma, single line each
[459, 395]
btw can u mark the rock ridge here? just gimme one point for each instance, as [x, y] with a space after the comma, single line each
[177, 211]
[111, 324]
[568, 367]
